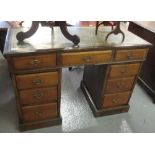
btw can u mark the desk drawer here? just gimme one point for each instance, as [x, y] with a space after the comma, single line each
[112, 100]
[134, 54]
[34, 62]
[124, 70]
[39, 112]
[69, 59]
[116, 85]
[34, 96]
[37, 80]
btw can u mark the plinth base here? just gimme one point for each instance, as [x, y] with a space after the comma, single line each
[102, 112]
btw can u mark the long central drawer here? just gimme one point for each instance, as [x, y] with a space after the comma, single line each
[69, 59]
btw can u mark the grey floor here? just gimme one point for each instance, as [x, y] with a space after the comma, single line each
[75, 111]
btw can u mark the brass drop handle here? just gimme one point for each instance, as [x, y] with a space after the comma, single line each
[38, 113]
[115, 101]
[37, 82]
[35, 61]
[87, 59]
[130, 56]
[124, 70]
[119, 84]
[38, 95]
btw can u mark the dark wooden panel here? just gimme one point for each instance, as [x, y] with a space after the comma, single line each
[146, 30]
[93, 78]
[3, 33]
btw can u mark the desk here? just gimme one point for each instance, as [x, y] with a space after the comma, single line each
[110, 73]
[146, 30]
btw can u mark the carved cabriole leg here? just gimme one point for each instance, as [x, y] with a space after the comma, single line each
[63, 27]
[23, 35]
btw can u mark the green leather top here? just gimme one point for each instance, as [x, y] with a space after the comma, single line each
[43, 41]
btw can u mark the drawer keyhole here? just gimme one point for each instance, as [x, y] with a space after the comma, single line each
[38, 95]
[37, 82]
[37, 113]
[130, 56]
[115, 101]
[87, 59]
[119, 84]
[35, 61]
[124, 71]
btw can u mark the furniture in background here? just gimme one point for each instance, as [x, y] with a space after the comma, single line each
[104, 23]
[3, 31]
[115, 31]
[4, 26]
[110, 73]
[146, 30]
[34, 27]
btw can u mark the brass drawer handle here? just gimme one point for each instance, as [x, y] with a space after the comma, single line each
[115, 101]
[38, 95]
[119, 84]
[37, 82]
[124, 71]
[87, 59]
[130, 56]
[37, 113]
[34, 61]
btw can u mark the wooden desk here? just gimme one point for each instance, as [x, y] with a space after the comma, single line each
[110, 74]
[146, 30]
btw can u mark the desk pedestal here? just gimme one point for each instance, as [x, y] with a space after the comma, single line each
[102, 112]
[106, 90]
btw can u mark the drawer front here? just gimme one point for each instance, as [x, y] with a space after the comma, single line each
[34, 96]
[124, 70]
[34, 62]
[39, 113]
[134, 54]
[69, 59]
[116, 85]
[37, 80]
[112, 100]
